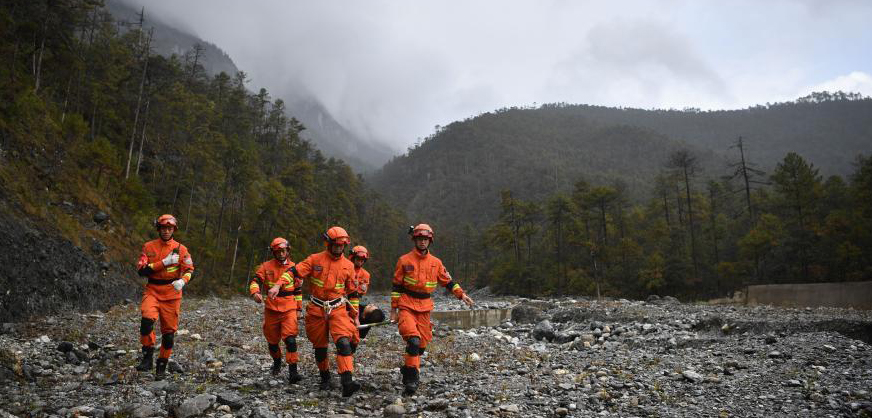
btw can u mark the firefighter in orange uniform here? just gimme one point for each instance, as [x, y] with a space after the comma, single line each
[416, 276]
[280, 307]
[359, 255]
[331, 276]
[168, 266]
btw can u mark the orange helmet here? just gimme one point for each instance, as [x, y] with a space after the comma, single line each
[359, 251]
[336, 235]
[166, 220]
[278, 244]
[421, 230]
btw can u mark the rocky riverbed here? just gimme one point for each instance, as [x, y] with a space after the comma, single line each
[555, 358]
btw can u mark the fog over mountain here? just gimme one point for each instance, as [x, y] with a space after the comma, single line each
[390, 72]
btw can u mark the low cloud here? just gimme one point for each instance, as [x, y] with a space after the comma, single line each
[389, 71]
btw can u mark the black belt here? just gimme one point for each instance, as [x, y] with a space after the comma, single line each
[290, 292]
[414, 294]
[161, 281]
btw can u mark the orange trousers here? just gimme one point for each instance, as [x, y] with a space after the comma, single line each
[415, 324]
[168, 313]
[338, 325]
[276, 327]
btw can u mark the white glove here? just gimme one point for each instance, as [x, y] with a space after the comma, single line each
[171, 259]
[179, 284]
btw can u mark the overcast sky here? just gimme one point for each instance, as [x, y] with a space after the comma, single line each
[392, 70]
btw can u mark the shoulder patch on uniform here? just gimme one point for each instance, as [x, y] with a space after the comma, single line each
[408, 267]
[317, 268]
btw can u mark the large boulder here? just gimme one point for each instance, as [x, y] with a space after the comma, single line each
[525, 313]
[543, 331]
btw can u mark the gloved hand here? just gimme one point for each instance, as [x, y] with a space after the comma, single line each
[257, 297]
[179, 284]
[172, 258]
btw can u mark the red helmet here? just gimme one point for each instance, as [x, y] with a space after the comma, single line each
[359, 251]
[421, 230]
[166, 220]
[337, 235]
[278, 244]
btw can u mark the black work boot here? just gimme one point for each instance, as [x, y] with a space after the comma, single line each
[404, 370]
[161, 371]
[147, 359]
[276, 367]
[412, 382]
[349, 386]
[293, 376]
[326, 381]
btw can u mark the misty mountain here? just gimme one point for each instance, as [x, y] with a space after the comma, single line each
[455, 176]
[334, 139]
[168, 40]
[321, 127]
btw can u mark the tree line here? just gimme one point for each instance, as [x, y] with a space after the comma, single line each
[699, 235]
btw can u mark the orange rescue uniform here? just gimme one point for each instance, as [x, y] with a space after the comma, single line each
[161, 299]
[415, 279]
[330, 279]
[279, 314]
[362, 280]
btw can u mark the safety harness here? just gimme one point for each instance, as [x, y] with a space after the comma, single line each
[328, 305]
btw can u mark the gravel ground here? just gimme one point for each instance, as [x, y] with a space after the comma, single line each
[558, 357]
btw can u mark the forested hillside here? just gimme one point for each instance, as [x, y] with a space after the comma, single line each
[91, 120]
[583, 199]
[829, 128]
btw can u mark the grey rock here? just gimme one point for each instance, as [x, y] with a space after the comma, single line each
[174, 367]
[262, 412]
[101, 217]
[510, 408]
[438, 404]
[394, 410]
[692, 376]
[543, 330]
[231, 399]
[195, 406]
[526, 314]
[158, 385]
[65, 346]
[146, 411]
[669, 300]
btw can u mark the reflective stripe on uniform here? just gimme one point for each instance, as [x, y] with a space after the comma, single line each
[318, 282]
[340, 285]
[172, 269]
[410, 280]
[455, 286]
[430, 284]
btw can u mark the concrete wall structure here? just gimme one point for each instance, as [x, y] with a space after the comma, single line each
[841, 295]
